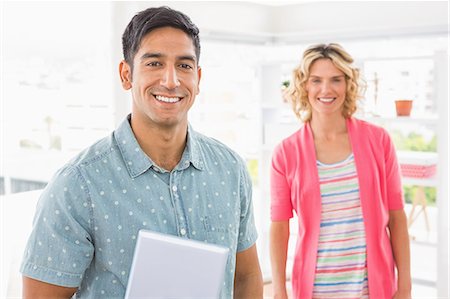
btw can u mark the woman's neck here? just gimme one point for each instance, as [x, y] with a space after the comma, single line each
[326, 127]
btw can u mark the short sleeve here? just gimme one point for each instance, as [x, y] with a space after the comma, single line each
[394, 188]
[247, 229]
[280, 189]
[60, 248]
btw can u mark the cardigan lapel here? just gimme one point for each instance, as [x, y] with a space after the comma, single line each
[364, 168]
[310, 207]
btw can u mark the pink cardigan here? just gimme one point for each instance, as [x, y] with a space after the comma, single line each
[295, 186]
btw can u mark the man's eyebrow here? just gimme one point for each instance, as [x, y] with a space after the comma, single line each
[187, 57]
[151, 55]
[159, 55]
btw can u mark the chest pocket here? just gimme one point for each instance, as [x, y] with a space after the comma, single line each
[221, 229]
[217, 224]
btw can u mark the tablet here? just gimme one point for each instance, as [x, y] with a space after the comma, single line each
[166, 266]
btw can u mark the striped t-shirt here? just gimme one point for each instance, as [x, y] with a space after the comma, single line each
[341, 270]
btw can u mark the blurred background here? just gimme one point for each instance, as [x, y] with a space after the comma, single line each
[60, 91]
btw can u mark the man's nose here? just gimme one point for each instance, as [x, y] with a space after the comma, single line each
[170, 78]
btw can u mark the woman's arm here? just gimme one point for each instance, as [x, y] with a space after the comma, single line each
[279, 238]
[400, 247]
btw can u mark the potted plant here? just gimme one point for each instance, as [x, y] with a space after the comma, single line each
[403, 107]
[284, 87]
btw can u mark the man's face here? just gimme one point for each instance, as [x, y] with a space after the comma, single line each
[165, 78]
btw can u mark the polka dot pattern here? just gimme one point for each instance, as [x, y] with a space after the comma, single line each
[95, 207]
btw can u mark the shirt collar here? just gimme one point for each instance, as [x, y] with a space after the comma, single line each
[137, 162]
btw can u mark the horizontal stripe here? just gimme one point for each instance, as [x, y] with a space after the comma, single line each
[322, 166]
[340, 291]
[341, 270]
[341, 249]
[341, 222]
[345, 265]
[340, 201]
[341, 254]
[340, 258]
[341, 283]
[352, 176]
[340, 277]
[328, 188]
[337, 168]
[342, 209]
[343, 233]
[340, 193]
[330, 240]
[338, 240]
[323, 178]
[346, 215]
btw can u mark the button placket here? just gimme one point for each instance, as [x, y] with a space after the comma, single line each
[179, 213]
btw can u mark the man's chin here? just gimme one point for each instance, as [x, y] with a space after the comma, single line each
[172, 123]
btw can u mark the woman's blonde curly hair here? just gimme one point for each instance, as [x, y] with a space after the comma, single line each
[296, 93]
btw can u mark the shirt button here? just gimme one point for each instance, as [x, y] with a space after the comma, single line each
[174, 188]
[182, 231]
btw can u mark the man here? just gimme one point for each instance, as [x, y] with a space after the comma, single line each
[154, 172]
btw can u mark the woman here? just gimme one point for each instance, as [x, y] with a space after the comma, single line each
[340, 175]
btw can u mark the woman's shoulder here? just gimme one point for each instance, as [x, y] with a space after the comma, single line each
[288, 149]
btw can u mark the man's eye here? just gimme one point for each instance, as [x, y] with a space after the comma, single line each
[185, 66]
[153, 63]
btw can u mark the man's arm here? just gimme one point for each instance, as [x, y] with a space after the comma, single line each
[35, 289]
[400, 248]
[248, 281]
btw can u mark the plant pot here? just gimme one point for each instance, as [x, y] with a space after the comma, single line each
[403, 107]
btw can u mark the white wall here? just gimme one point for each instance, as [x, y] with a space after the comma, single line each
[307, 20]
[304, 21]
[223, 16]
[359, 19]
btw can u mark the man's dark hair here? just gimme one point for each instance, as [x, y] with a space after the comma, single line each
[151, 19]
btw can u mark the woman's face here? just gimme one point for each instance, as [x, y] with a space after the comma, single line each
[326, 87]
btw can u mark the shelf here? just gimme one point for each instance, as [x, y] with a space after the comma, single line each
[428, 182]
[433, 120]
[416, 157]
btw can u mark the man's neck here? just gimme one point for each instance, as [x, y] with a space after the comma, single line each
[164, 145]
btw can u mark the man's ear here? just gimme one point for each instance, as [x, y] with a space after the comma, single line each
[199, 75]
[125, 74]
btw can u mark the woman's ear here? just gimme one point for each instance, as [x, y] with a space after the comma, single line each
[125, 74]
